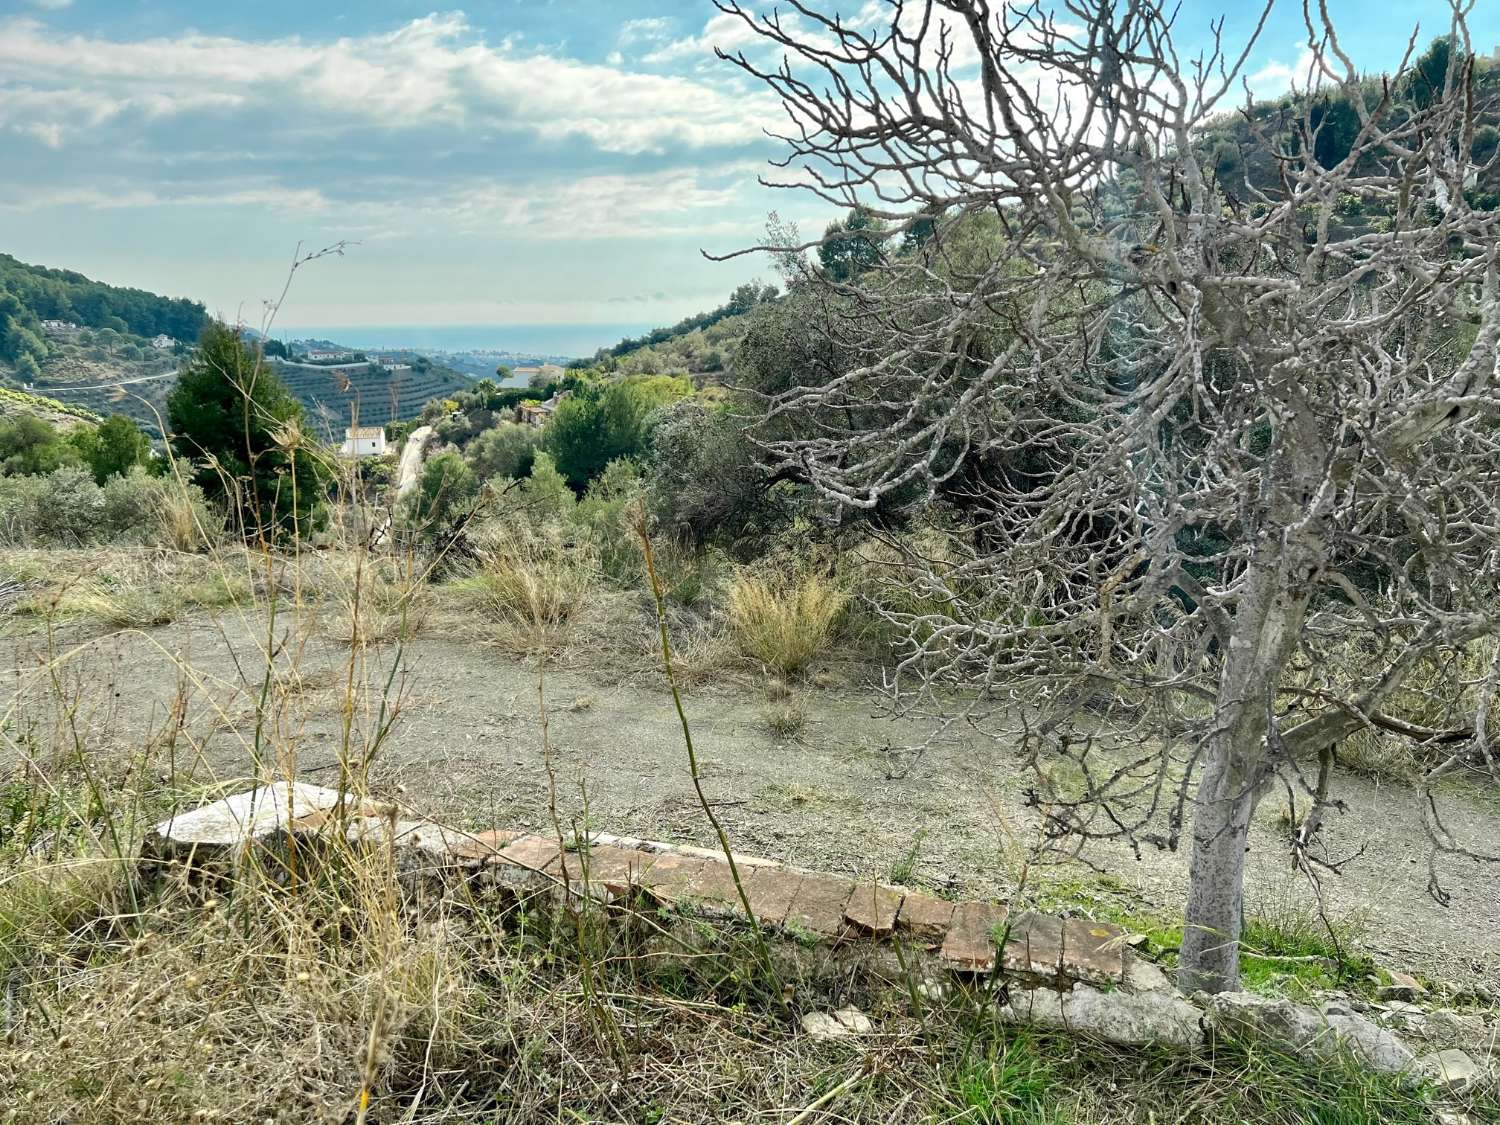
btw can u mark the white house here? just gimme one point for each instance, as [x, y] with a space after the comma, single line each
[162, 342]
[65, 327]
[363, 441]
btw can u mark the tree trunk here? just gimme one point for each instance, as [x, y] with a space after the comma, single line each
[1263, 636]
[1210, 957]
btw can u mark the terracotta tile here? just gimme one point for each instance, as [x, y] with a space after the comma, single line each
[772, 892]
[1035, 945]
[1093, 951]
[924, 917]
[872, 907]
[973, 936]
[666, 876]
[819, 906]
[535, 853]
[712, 890]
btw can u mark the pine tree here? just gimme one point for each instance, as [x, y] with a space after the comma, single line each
[242, 430]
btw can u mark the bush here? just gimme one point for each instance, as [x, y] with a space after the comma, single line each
[68, 509]
[545, 493]
[535, 581]
[785, 624]
[507, 451]
[704, 482]
[444, 496]
[602, 423]
[30, 446]
[602, 514]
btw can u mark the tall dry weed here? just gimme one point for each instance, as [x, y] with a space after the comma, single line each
[785, 624]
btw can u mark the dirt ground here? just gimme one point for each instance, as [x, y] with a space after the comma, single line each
[467, 749]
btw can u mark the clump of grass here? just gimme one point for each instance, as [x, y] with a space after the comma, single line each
[1288, 947]
[784, 624]
[786, 719]
[131, 608]
[905, 868]
[387, 609]
[529, 581]
[1037, 1077]
[1016, 1081]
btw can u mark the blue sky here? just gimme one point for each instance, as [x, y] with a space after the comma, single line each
[512, 161]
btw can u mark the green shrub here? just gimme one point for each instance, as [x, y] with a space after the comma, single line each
[506, 451]
[444, 497]
[68, 509]
[546, 494]
[601, 423]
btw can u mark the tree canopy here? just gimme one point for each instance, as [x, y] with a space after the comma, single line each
[241, 429]
[1181, 424]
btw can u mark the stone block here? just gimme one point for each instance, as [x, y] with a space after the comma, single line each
[612, 871]
[666, 877]
[818, 909]
[260, 815]
[532, 853]
[924, 917]
[1035, 945]
[772, 892]
[1093, 951]
[1116, 1017]
[712, 891]
[872, 908]
[973, 937]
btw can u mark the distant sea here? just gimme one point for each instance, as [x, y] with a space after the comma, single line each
[522, 339]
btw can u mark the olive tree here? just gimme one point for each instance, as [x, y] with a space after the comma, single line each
[1243, 453]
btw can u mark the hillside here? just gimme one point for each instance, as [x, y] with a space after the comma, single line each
[698, 344]
[19, 404]
[334, 396]
[40, 307]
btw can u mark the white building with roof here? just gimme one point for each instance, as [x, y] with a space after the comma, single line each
[363, 441]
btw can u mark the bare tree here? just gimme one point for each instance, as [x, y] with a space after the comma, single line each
[1231, 453]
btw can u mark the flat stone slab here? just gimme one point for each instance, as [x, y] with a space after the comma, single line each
[610, 869]
[973, 939]
[818, 909]
[772, 893]
[873, 907]
[666, 877]
[924, 917]
[535, 853]
[1035, 945]
[257, 814]
[1093, 951]
[712, 890]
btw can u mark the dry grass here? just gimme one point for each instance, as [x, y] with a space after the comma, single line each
[784, 625]
[1440, 693]
[531, 580]
[133, 999]
[126, 588]
[786, 718]
[388, 604]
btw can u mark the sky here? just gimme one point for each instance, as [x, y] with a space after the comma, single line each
[531, 162]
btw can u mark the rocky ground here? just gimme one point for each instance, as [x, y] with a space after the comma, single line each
[467, 749]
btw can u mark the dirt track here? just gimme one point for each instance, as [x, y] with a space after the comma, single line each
[467, 749]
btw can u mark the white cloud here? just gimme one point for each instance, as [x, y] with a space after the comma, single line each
[430, 72]
[1276, 77]
[632, 31]
[613, 206]
[724, 31]
[305, 201]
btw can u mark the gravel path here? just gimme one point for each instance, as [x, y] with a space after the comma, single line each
[467, 749]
